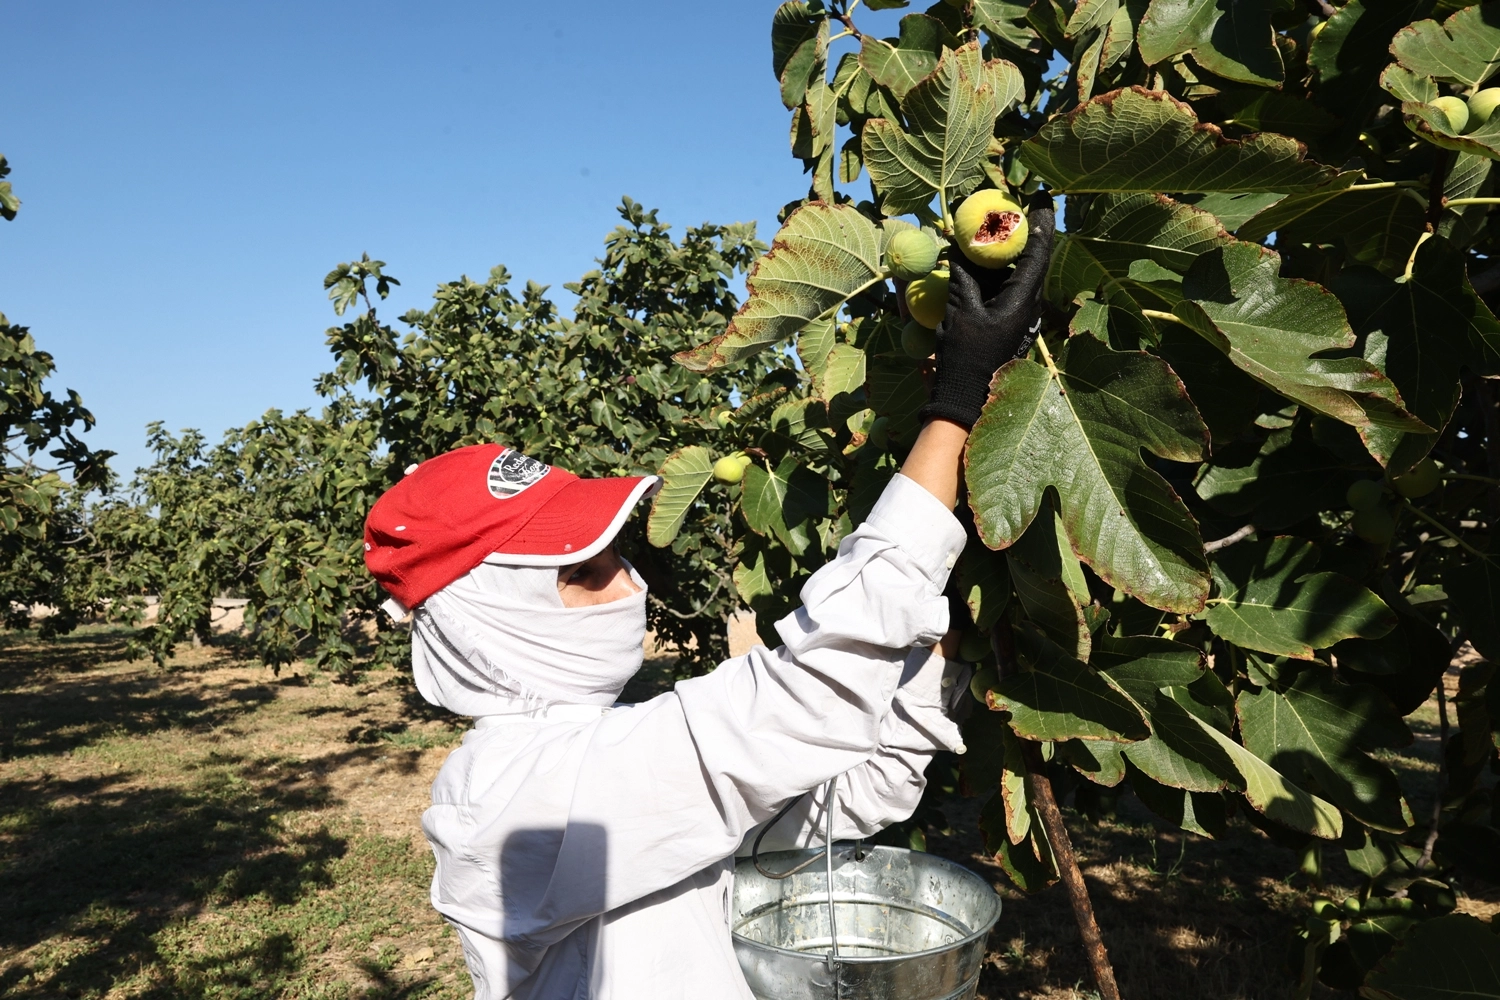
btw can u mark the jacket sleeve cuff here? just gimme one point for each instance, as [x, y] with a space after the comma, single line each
[920, 525]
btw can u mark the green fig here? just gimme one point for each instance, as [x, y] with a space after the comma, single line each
[927, 299]
[1455, 110]
[1418, 481]
[880, 432]
[1365, 494]
[918, 341]
[1375, 525]
[911, 254]
[1482, 104]
[728, 470]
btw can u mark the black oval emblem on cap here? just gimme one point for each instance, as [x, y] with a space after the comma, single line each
[512, 472]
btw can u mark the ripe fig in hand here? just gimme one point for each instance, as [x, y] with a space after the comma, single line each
[989, 228]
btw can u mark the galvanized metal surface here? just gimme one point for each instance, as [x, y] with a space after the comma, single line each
[911, 926]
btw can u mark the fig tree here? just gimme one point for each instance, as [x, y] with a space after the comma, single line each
[927, 298]
[911, 254]
[1365, 494]
[1455, 110]
[1374, 525]
[989, 228]
[917, 341]
[1418, 481]
[1482, 104]
[728, 470]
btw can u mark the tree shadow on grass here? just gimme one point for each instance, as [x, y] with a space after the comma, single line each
[105, 866]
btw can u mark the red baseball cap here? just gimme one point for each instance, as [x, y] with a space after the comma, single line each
[452, 512]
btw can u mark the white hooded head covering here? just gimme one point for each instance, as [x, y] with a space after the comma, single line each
[499, 641]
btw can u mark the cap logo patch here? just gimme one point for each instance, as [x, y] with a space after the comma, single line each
[512, 472]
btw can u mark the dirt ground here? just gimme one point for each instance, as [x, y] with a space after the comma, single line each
[213, 830]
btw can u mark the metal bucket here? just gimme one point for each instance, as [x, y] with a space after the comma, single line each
[911, 926]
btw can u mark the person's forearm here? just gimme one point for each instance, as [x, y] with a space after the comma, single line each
[935, 459]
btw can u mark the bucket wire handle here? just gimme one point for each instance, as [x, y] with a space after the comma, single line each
[833, 928]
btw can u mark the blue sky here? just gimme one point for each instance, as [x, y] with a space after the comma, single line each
[190, 171]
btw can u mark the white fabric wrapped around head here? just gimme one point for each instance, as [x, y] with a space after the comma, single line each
[499, 641]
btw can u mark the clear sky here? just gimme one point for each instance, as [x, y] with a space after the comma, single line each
[190, 171]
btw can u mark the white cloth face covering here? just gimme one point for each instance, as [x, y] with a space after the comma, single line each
[499, 641]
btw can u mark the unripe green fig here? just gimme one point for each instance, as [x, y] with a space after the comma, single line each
[927, 299]
[917, 341]
[1374, 525]
[1325, 909]
[1365, 494]
[743, 459]
[983, 679]
[1455, 110]
[910, 254]
[725, 418]
[1312, 36]
[973, 645]
[728, 470]
[1418, 481]
[1351, 906]
[880, 432]
[989, 228]
[1482, 104]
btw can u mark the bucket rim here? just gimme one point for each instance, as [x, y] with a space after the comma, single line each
[974, 935]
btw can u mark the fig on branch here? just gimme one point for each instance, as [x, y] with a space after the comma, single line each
[918, 341]
[1482, 104]
[725, 418]
[880, 432]
[1455, 110]
[728, 470]
[911, 254]
[1365, 494]
[927, 298]
[1418, 481]
[990, 228]
[1375, 525]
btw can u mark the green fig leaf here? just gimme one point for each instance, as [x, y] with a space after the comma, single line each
[1288, 478]
[1059, 698]
[1272, 795]
[1118, 231]
[684, 474]
[901, 65]
[1421, 332]
[1349, 53]
[1463, 49]
[1379, 227]
[1445, 958]
[1080, 429]
[1473, 585]
[1271, 600]
[1138, 140]
[984, 583]
[1271, 327]
[1036, 565]
[950, 120]
[822, 257]
[799, 41]
[1316, 732]
[1234, 40]
[843, 373]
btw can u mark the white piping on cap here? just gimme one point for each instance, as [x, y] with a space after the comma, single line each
[648, 486]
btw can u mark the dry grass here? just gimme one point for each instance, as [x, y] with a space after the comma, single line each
[213, 831]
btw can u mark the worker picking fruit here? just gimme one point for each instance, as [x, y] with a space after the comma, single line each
[586, 847]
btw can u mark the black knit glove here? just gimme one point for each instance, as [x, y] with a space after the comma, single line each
[992, 318]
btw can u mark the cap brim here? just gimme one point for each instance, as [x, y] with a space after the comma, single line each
[577, 523]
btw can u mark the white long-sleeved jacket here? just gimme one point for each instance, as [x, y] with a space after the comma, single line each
[589, 854]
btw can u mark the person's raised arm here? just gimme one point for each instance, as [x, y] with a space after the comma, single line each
[991, 319]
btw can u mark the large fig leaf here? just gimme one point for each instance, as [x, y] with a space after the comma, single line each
[1456, 957]
[684, 474]
[902, 64]
[1232, 38]
[1080, 429]
[1317, 731]
[1142, 140]
[1421, 332]
[1347, 56]
[1118, 231]
[1473, 584]
[1463, 49]
[1268, 790]
[984, 583]
[950, 119]
[1272, 327]
[1037, 564]
[822, 257]
[1288, 478]
[1271, 600]
[799, 40]
[1178, 753]
[1378, 227]
[1057, 697]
